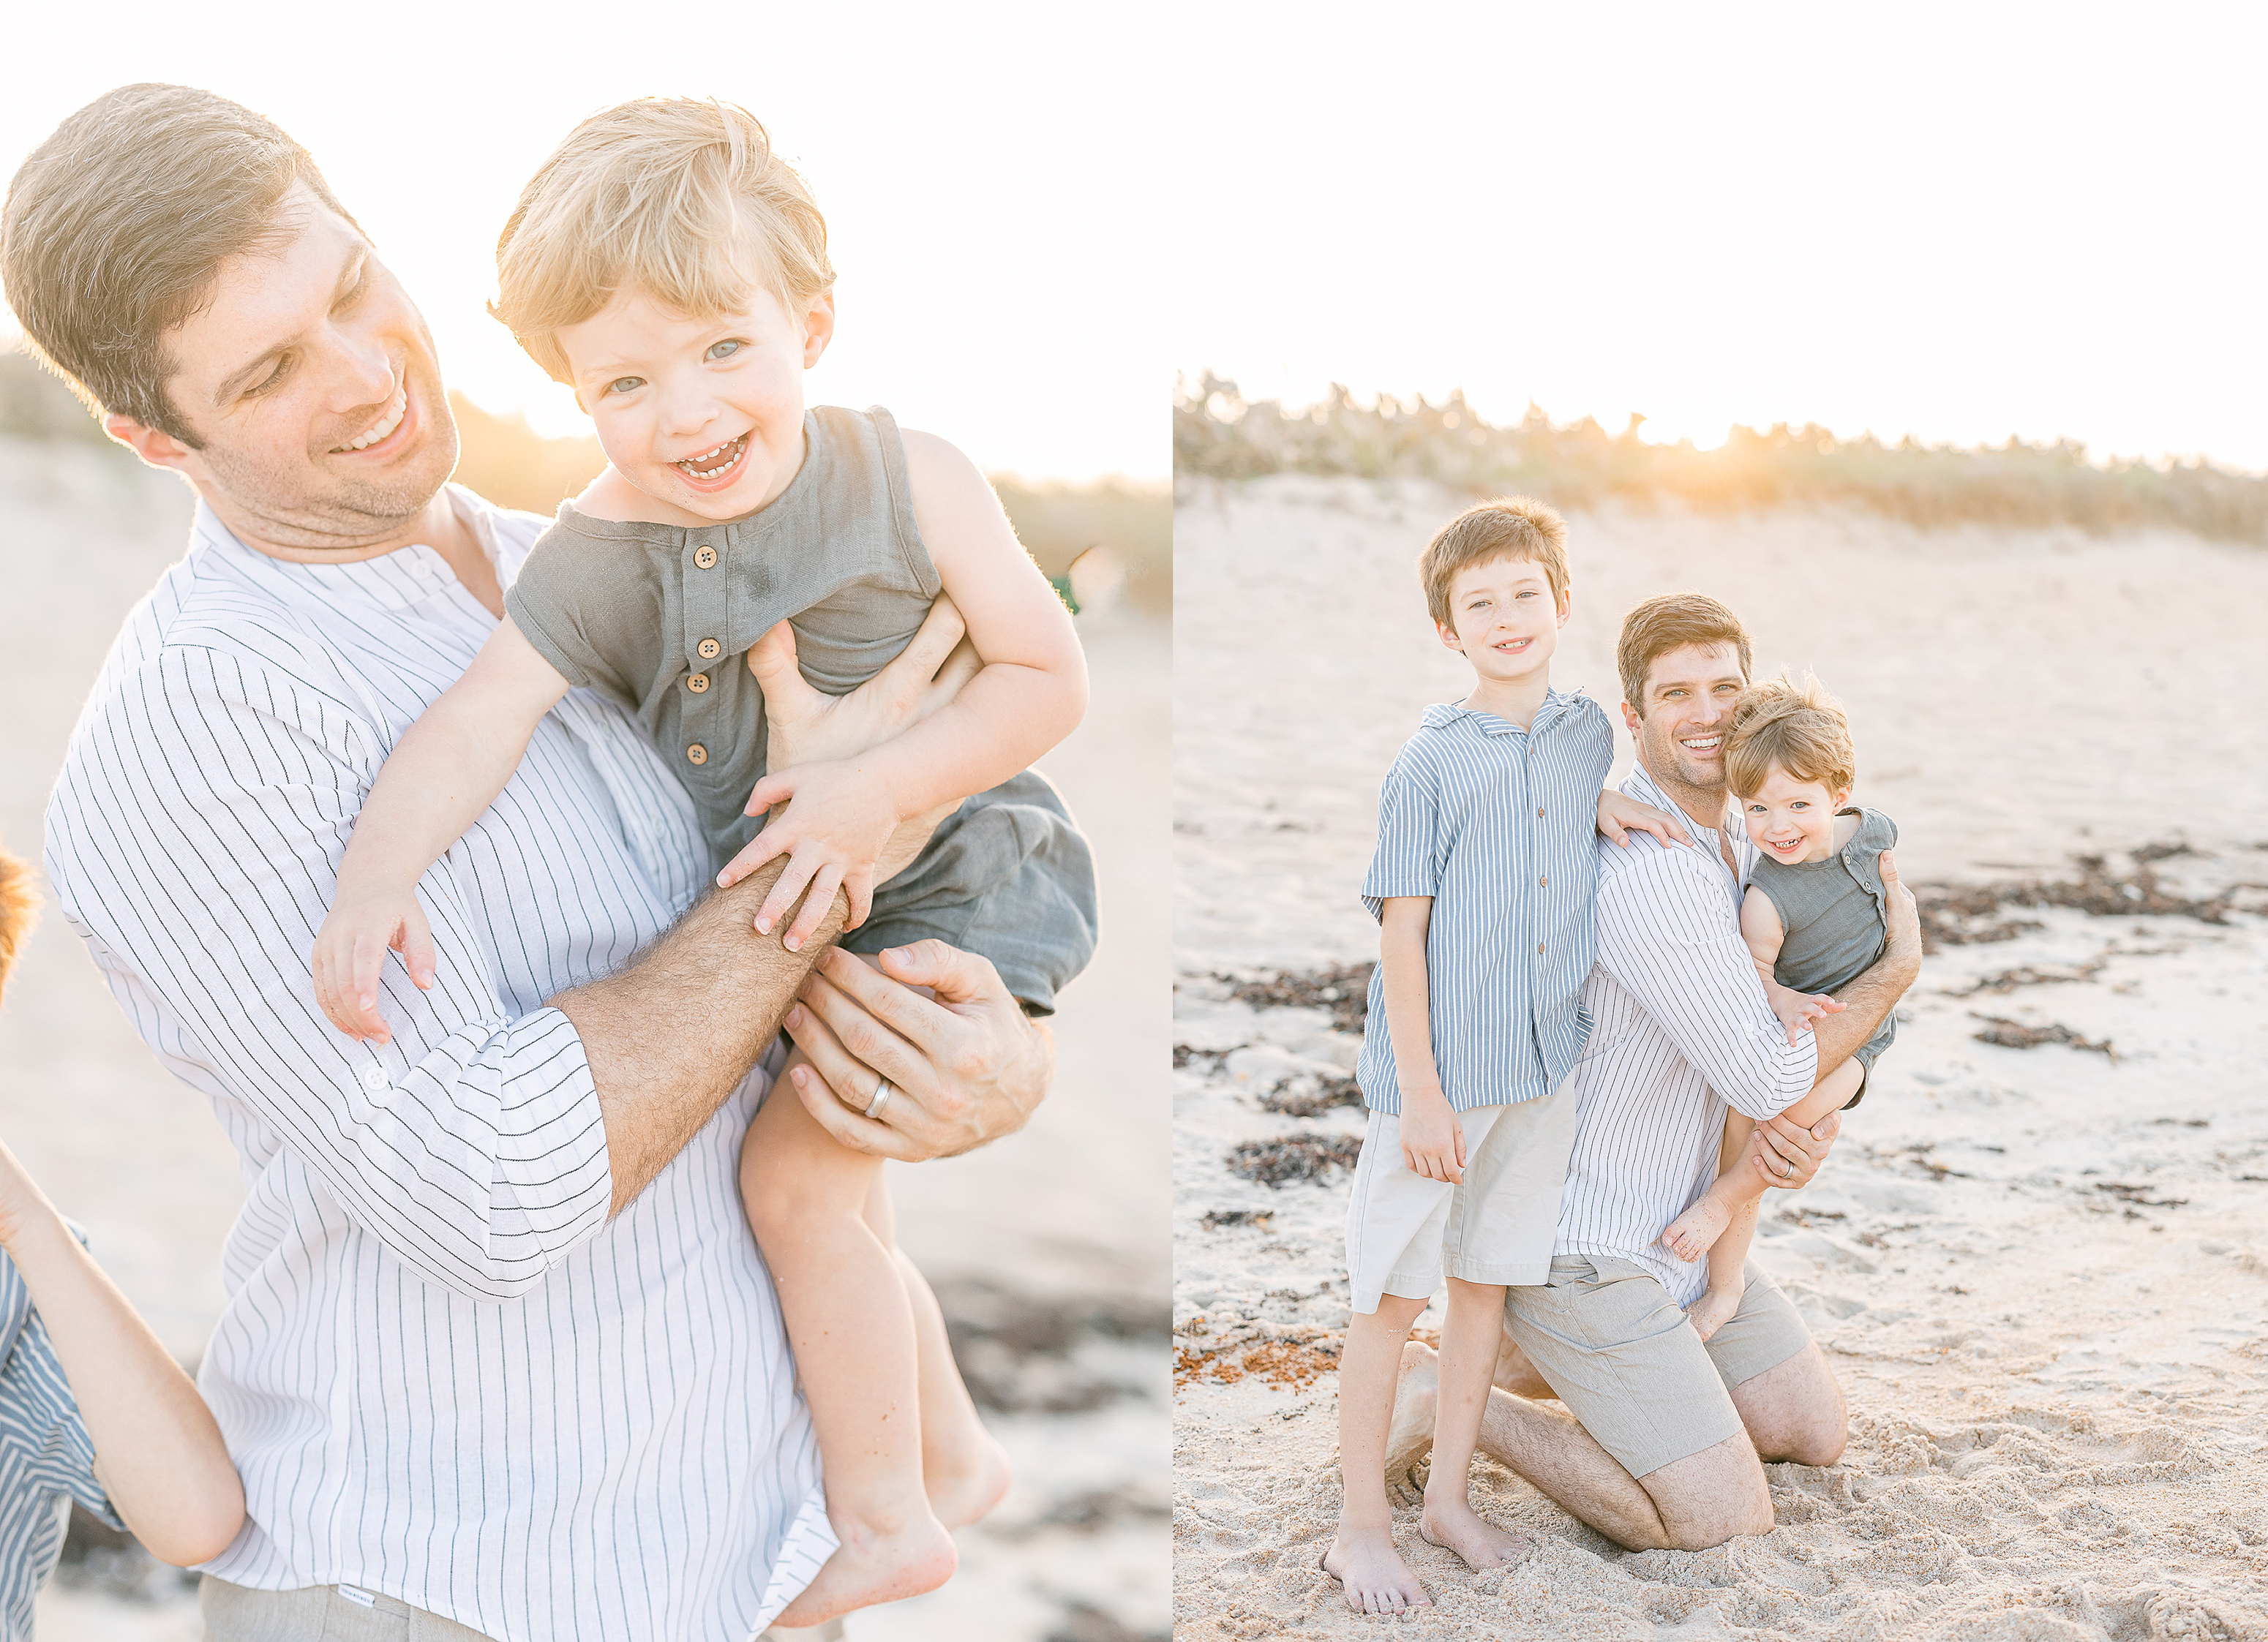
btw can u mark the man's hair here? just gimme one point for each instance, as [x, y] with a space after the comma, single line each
[1793, 725]
[1509, 527]
[116, 226]
[1663, 624]
[19, 910]
[680, 198]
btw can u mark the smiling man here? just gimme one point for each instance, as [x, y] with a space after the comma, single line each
[499, 1358]
[1669, 1434]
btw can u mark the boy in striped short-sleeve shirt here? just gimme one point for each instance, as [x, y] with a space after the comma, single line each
[1482, 884]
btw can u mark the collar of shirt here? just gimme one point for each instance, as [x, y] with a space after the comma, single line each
[393, 581]
[1707, 841]
[1442, 715]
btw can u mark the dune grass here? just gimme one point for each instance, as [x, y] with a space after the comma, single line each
[1219, 434]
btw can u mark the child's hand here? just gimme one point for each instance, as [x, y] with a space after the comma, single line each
[351, 954]
[1619, 817]
[1433, 1139]
[1797, 1010]
[838, 820]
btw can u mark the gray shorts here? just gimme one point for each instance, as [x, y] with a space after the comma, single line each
[1008, 875]
[1628, 1365]
[337, 1613]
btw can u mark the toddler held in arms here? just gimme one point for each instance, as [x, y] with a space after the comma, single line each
[1814, 919]
[671, 269]
[93, 1409]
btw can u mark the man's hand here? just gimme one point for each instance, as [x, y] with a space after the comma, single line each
[1787, 1154]
[1902, 920]
[805, 725]
[1620, 815]
[964, 1070]
[1433, 1139]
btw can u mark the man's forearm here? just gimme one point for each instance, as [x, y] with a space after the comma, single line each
[1868, 1003]
[671, 1036]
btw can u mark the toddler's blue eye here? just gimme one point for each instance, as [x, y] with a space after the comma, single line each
[625, 385]
[725, 349]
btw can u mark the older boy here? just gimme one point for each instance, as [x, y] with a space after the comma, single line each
[1482, 886]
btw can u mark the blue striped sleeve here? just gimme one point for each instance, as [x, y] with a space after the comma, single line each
[1407, 861]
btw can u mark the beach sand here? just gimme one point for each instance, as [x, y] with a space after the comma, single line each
[2040, 1274]
[1048, 1248]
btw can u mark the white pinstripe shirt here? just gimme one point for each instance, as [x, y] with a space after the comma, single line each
[1495, 823]
[443, 1372]
[1680, 1028]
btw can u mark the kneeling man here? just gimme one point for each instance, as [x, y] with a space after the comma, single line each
[1669, 1432]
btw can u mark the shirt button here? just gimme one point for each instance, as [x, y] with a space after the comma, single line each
[698, 683]
[696, 753]
[705, 557]
[1539, 946]
[708, 649]
[1539, 811]
[373, 1078]
[1543, 881]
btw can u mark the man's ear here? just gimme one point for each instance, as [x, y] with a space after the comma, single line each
[159, 450]
[1629, 720]
[818, 327]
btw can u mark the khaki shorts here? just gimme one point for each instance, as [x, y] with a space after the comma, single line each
[237, 1613]
[1496, 1227]
[1628, 1365]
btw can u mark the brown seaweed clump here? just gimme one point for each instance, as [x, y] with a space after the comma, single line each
[1343, 992]
[2016, 1035]
[1294, 1157]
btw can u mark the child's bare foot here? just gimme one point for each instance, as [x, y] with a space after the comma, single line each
[1714, 1310]
[1692, 1233]
[1410, 1436]
[1372, 1572]
[964, 1487]
[1453, 1525]
[869, 1567]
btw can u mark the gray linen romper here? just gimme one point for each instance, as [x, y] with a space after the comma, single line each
[1835, 913]
[660, 619]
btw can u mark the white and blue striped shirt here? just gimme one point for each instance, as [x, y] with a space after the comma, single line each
[1680, 1028]
[47, 1462]
[1495, 824]
[444, 1373]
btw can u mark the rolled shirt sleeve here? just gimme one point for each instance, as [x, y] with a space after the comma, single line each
[1670, 945]
[194, 843]
[1407, 859]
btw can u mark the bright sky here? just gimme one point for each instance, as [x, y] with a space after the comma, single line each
[990, 175]
[1955, 221]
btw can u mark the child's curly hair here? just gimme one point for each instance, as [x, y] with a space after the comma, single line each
[1795, 725]
[19, 910]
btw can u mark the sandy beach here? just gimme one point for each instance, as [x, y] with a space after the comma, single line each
[2041, 1273]
[1052, 1269]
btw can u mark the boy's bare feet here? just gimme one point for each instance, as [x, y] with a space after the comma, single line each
[1714, 1310]
[1417, 1388]
[870, 1566]
[1372, 1572]
[1453, 1525]
[1692, 1233]
[964, 1487]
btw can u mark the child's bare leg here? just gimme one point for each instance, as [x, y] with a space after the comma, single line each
[1363, 1558]
[1469, 1358]
[1728, 1265]
[964, 1469]
[850, 1324]
[1692, 1233]
[1737, 1184]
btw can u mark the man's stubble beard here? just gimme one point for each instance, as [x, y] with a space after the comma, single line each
[349, 514]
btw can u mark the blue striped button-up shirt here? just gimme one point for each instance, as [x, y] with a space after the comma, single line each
[46, 1461]
[1495, 823]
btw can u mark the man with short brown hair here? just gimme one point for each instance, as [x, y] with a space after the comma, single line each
[499, 1358]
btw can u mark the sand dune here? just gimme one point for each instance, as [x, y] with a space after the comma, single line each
[2042, 1275]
